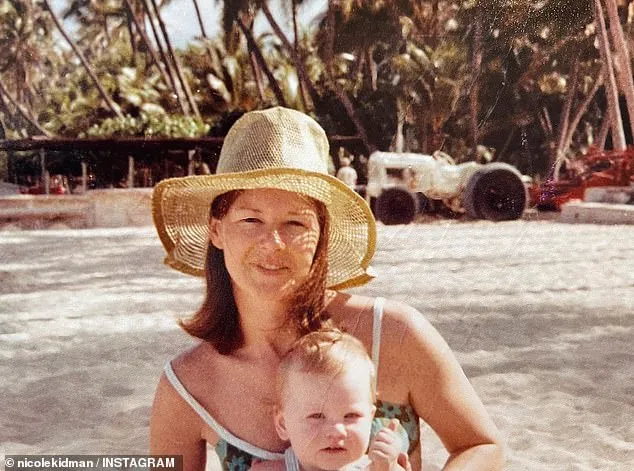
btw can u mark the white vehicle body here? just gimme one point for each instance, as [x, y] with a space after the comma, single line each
[400, 185]
[433, 175]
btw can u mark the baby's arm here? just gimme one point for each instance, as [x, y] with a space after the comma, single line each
[385, 450]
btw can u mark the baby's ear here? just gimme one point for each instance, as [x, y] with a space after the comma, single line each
[280, 424]
[373, 410]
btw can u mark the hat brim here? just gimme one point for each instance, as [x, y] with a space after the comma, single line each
[180, 208]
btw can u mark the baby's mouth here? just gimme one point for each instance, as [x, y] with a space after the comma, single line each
[334, 449]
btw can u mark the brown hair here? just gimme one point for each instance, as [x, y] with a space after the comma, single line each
[217, 320]
[327, 352]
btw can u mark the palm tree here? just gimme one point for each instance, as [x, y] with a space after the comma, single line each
[23, 113]
[174, 57]
[291, 49]
[614, 111]
[27, 57]
[165, 59]
[234, 14]
[109, 102]
[622, 58]
[213, 55]
[139, 27]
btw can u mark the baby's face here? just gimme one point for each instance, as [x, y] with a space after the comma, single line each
[327, 418]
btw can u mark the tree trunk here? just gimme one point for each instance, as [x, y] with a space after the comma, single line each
[146, 41]
[558, 156]
[4, 93]
[618, 136]
[302, 90]
[604, 130]
[166, 60]
[372, 68]
[329, 47]
[297, 61]
[349, 107]
[624, 68]
[474, 92]
[423, 133]
[133, 37]
[399, 138]
[111, 104]
[253, 48]
[177, 65]
[213, 56]
[581, 110]
[545, 122]
[257, 75]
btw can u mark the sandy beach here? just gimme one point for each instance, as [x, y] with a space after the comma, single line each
[540, 315]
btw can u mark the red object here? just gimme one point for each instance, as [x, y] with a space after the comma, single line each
[57, 186]
[595, 169]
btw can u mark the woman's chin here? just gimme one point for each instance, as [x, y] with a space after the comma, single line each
[275, 286]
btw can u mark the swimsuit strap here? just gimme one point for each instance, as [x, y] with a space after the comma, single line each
[376, 333]
[290, 460]
[222, 432]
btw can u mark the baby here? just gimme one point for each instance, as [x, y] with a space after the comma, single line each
[326, 394]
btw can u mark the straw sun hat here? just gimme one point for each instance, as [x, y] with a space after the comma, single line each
[276, 148]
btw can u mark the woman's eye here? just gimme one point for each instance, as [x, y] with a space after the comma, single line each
[250, 220]
[352, 415]
[297, 223]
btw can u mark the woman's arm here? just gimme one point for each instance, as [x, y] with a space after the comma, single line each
[175, 429]
[443, 396]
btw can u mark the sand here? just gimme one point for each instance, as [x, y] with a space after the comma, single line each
[540, 315]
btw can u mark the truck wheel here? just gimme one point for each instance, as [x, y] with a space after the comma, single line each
[495, 192]
[396, 206]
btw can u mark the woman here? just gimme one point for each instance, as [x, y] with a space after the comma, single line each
[280, 241]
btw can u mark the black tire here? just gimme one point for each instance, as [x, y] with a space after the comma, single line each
[495, 192]
[396, 206]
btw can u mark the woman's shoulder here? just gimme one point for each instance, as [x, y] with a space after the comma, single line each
[399, 321]
[360, 307]
[189, 363]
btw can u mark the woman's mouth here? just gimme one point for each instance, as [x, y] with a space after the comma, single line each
[271, 267]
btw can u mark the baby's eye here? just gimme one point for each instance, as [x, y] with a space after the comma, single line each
[352, 415]
[316, 415]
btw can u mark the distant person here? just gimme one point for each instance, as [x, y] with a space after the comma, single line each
[346, 173]
[326, 393]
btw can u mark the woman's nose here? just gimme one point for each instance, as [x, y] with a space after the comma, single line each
[274, 238]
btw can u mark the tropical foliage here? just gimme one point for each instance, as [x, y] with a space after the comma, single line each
[537, 82]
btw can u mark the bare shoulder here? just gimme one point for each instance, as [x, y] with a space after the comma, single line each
[408, 339]
[399, 319]
[174, 424]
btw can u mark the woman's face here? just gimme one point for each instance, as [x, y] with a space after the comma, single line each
[269, 238]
